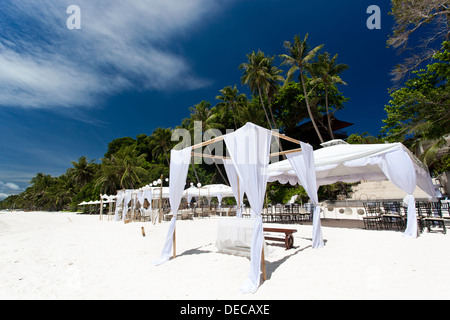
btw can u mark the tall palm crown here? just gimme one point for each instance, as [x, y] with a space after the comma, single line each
[326, 71]
[229, 98]
[261, 77]
[161, 143]
[123, 169]
[83, 170]
[299, 56]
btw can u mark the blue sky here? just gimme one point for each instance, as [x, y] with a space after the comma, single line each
[138, 65]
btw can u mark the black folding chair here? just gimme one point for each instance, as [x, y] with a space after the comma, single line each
[434, 217]
[392, 216]
[372, 220]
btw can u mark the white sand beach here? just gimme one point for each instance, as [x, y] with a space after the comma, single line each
[59, 255]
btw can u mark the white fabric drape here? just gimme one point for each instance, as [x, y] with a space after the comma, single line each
[148, 196]
[304, 167]
[126, 201]
[234, 232]
[119, 204]
[351, 163]
[400, 170]
[234, 180]
[179, 165]
[249, 149]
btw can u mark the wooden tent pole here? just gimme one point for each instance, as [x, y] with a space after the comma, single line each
[263, 264]
[220, 138]
[196, 154]
[204, 144]
[285, 152]
[101, 206]
[239, 195]
[174, 243]
[160, 201]
[282, 136]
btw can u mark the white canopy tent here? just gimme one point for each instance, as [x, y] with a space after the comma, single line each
[249, 150]
[354, 162]
[209, 191]
[124, 197]
[107, 199]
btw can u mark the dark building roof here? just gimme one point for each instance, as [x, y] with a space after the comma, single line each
[306, 132]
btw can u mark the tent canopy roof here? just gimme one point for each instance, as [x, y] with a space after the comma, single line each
[337, 163]
[209, 191]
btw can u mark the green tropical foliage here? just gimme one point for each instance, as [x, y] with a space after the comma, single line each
[299, 57]
[421, 108]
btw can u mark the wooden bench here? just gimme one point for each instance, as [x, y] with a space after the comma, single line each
[288, 238]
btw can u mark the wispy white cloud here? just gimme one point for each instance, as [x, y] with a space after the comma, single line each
[7, 189]
[12, 186]
[122, 45]
[9, 185]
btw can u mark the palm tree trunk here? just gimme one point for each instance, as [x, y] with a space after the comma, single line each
[195, 172]
[167, 158]
[262, 103]
[234, 117]
[309, 108]
[217, 167]
[273, 118]
[328, 113]
[271, 113]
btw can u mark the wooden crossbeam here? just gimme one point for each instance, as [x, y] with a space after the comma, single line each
[285, 152]
[204, 144]
[282, 136]
[195, 154]
[220, 138]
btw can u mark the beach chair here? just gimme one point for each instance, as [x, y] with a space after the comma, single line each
[393, 216]
[372, 219]
[434, 217]
[445, 210]
[422, 209]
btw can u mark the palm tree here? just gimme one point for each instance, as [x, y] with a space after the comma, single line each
[229, 98]
[82, 171]
[124, 169]
[299, 56]
[273, 87]
[109, 176]
[209, 118]
[161, 143]
[261, 77]
[38, 193]
[250, 112]
[62, 193]
[326, 71]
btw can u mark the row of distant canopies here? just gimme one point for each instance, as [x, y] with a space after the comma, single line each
[209, 191]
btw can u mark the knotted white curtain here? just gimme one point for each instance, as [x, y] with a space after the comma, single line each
[119, 204]
[249, 149]
[148, 196]
[304, 167]
[234, 181]
[126, 201]
[179, 165]
[400, 170]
